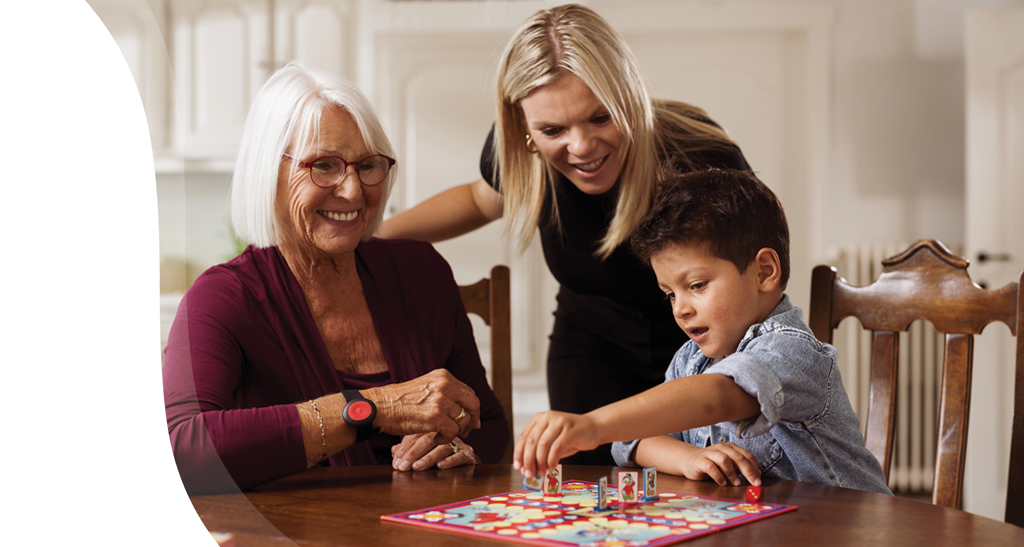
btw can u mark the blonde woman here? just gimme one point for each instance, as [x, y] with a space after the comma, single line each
[576, 152]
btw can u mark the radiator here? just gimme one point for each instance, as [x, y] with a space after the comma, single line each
[919, 376]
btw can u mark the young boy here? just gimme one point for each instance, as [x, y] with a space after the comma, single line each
[752, 392]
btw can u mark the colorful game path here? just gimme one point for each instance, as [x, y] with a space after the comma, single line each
[531, 517]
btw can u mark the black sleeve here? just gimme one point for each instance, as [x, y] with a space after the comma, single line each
[487, 161]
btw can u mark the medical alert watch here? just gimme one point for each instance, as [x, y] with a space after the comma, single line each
[359, 413]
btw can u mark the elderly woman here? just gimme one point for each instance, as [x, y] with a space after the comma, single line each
[319, 344]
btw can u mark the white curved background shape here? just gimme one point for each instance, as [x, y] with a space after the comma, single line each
[85, 449]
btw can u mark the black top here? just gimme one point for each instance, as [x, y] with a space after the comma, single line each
[569, 252]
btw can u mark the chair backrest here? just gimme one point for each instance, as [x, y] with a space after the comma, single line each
[490, 299]
[928, 282]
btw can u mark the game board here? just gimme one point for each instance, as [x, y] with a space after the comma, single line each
[572, 519]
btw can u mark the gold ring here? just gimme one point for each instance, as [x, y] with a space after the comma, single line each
[460, 416]
[455, 447]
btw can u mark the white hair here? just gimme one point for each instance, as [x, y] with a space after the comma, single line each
[286, 114]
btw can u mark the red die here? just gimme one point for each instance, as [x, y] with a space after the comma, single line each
[754, 493]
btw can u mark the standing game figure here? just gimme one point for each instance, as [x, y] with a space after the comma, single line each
[627, 488]
[553, 481]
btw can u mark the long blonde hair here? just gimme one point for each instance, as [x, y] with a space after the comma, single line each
[572, 39]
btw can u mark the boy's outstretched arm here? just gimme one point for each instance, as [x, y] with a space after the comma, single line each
[722, 463]
[677, 405]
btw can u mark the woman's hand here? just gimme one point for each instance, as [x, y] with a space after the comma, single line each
[551, 436]
[436, 402]
[421, 451]
[723, 463]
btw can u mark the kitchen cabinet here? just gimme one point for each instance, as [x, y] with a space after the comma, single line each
[320, 33]
[199, 64]
[224, 50]
[221, 57]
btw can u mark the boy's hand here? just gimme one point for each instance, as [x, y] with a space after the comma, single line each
[721, 462]
[551, 436]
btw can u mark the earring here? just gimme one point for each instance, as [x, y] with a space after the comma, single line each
[530, 145]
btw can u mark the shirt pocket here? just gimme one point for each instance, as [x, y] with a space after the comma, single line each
[765, 448]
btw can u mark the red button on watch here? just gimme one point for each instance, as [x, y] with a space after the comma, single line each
[359, 412]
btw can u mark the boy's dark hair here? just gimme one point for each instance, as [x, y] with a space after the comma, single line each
[729, 210]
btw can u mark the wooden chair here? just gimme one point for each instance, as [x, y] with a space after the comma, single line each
[928, 282]
[491, 300]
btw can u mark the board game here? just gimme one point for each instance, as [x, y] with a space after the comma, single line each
[573, 518]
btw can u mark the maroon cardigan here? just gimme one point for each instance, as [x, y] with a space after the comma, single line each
[244, 349]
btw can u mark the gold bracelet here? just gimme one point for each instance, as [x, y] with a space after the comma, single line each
[323, 430]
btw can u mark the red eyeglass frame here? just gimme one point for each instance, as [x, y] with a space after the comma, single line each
[309, 165]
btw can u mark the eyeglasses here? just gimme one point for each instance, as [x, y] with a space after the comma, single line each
[327, 171]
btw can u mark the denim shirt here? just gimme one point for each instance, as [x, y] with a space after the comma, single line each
[807, 430]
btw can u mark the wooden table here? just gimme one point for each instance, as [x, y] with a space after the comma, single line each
[342, 506]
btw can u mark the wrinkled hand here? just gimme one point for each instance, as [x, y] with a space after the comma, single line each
[549, 437]
[428, 404]
[723, 463]
[421, 451]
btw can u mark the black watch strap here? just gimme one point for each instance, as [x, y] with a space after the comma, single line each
[359, 413]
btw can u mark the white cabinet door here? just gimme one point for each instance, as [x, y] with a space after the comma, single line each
[223, 55]
[136, 27]
[221, 58]
[317, 32]
[994, 75]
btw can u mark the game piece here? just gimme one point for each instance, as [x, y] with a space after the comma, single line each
[602, 494]
[754, 493]
[553, 481]
[650, 482]
[535, 482]
[576, 520]
[627, 487]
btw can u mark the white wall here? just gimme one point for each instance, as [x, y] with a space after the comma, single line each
[898, 126]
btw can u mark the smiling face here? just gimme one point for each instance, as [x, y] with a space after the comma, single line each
[319, 221]
[575, 133]
[712, 301]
